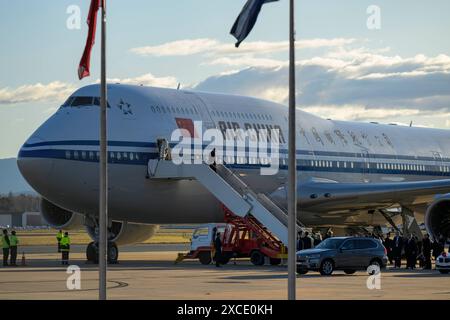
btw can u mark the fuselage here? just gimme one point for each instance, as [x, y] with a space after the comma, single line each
[60, 160]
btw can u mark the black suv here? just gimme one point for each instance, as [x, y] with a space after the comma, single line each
[342, 253]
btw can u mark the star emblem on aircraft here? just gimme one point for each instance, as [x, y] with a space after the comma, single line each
[125, 107]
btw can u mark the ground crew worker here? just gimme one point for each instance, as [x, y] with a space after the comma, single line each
[65, 248]
[5, 245]
[13, 242]
[59, 236]
[218, 248]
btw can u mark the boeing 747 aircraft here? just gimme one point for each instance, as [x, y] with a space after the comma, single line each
[349, 173]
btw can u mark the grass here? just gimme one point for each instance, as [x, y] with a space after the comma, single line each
[48, 237]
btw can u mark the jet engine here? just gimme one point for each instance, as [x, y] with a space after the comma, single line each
[60, 218]
[124, 233]
[437, 218]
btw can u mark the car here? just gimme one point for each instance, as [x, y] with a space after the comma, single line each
[443, 263]
[343, 253]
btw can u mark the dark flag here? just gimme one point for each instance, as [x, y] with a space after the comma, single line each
[247, 19]
[83, 69]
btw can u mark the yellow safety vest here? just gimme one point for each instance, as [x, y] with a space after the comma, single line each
[59, 236]
[13, 241]
[5, 244]
[65, 244]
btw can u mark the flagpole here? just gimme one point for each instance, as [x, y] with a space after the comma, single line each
[292, 169]
[103, 212]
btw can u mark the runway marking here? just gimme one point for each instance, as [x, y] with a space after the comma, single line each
[119, 284]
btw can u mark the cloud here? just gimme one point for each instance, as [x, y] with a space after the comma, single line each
[358, 112]
[350, 84]
[256, 53]
[53, 91]
[59, 91]
[177, 48]
[147, 79]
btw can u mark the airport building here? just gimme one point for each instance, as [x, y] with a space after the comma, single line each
[24, 219]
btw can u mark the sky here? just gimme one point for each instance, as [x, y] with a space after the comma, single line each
[399, 72]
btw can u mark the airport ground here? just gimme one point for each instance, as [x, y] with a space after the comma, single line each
[147, 271]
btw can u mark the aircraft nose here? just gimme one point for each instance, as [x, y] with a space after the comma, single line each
[35, 164]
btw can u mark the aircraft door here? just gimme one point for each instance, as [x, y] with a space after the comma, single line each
[438, 162]
[365, 165]
[201, 107]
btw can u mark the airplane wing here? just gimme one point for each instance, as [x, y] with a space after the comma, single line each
[327, 196]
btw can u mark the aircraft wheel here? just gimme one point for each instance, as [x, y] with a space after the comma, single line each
[92, 252]
[113, 253]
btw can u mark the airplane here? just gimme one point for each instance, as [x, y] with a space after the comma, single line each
[350, 174]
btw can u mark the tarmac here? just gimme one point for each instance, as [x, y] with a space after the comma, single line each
[149, 272]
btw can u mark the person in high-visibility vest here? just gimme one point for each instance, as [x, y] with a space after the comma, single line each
[13, 242]
[59, 236]
[5, 245]
[65, 248]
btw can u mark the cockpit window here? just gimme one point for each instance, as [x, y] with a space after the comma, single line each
[82, 102]
[68, 102]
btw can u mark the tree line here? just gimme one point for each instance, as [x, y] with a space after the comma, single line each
[12, 203]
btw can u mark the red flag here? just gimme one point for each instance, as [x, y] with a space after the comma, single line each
[83, 69]
[188, 125]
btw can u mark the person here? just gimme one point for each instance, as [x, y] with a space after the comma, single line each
[65, 248]
[13, 242]
[329, 234]
[5, 245]
[397, 246]
[308, 242]
[426, 251]
[411, 252]
[59, 236]
[218, 249]
[388, 244]
[213, 164]
[299, 241]
[317, 239]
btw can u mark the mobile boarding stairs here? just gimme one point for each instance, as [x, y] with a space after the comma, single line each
[229, 189]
